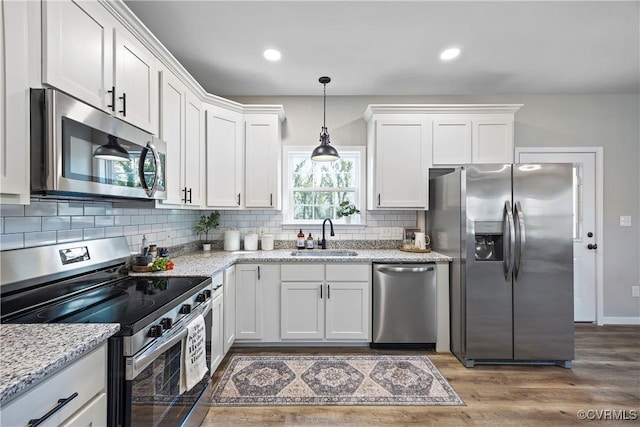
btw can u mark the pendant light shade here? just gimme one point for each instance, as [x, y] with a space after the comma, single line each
[324, 152]
[112, 150]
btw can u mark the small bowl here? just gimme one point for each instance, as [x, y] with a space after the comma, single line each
[143, 259]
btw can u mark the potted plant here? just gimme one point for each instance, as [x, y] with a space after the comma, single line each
[205, 225]
[346, 209]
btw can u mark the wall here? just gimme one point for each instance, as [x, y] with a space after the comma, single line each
[610, 121]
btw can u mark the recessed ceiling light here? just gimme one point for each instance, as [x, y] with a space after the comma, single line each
[272, 55]
[449, 54]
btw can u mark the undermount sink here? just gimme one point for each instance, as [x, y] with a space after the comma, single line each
[323, 253]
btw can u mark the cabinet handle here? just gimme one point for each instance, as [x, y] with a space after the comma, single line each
[124, 104]
[61, 402]
[189, 196]
[238, 199]
[320, 291]
[258, 272]
[113, 99]
[378, 199]
[184, 191]
[328, 291]
[270, 199]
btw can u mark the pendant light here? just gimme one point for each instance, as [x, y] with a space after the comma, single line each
[324, 152]
[112, 150]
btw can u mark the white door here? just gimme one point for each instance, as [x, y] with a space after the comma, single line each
[249, 302]
[302, 315]
[347, 310]
[585, 230]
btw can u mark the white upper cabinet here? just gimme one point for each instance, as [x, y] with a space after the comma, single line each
[14, 103]
[263, 165]
[181, 128]
[399, 157]
[225, 158]
[91, 56]
[136, 82]
[451, 141]
[492, 140]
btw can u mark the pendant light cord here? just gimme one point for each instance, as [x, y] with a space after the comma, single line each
[324, 119]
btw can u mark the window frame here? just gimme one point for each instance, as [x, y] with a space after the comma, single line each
[287, 183]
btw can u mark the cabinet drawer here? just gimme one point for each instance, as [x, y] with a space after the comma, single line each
[348, 272]
[85, 376]
[302, 272]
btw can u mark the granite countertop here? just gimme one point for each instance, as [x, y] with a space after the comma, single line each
[203, 263]
[29, 353]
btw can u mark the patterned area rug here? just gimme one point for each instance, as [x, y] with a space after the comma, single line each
[332, 380]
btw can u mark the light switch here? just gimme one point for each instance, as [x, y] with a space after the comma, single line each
[625, 221]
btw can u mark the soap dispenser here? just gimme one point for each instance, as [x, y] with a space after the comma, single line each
[309, 242]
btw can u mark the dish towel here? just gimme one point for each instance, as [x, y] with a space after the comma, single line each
[194, 355]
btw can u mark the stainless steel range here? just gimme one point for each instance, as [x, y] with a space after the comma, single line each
[87, 282]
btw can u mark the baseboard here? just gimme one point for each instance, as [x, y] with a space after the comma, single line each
[608, 320]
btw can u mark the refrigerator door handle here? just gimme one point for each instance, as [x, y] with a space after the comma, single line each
[521, 237]
[510, 243]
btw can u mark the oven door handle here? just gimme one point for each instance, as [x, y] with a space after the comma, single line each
[136, 364]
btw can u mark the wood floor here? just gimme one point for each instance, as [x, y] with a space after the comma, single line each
[605, 376]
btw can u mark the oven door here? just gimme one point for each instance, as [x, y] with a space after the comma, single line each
[152, 385]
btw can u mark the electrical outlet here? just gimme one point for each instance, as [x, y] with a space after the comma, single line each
[625, 221]
[635, 291]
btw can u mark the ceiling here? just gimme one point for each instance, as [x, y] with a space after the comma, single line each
[392, 47]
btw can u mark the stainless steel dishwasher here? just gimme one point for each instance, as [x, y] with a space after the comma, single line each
[404, 305]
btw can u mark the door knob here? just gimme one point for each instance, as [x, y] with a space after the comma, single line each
[592, 246]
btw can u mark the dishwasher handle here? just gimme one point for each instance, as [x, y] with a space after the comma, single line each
[401, 269]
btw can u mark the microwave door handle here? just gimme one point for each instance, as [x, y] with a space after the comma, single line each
[157, 174]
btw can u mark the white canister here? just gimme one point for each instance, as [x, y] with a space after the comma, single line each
[267, 242]
[232, 240]
[251, 242]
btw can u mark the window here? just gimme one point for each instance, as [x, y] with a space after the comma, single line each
[314, 190]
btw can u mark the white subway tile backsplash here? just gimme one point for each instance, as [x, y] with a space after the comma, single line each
[65, 236]
[104, 221]
[22, 224]
[82, 222]
[56, 223]
[113, 232]
[40, 238]
[93, 233]
[70, 208]
[11, 210]
[76, 221]
[41, 209]
[11, 241]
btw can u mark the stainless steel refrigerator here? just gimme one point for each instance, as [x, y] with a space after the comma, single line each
[509, 230]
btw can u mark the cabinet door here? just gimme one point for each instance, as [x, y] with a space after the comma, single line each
[347, 311]
[136, 82]
[229, 307]
[193, 149]
[217, 331]
[225, 155]
[262, 161]
[451, 142]
[14, 103]
[301, 313]
[249, 302]
[78, 50]
[402, 160]
[172, 132]
[93, 414]
[492, 140]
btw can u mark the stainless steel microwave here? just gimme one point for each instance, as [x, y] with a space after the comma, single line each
[68, 141]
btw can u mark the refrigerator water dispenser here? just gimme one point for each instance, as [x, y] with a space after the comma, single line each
[488, 241]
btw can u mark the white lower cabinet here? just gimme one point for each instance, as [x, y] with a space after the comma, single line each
[229, 307]
[217, 330]
[257, 302]
[330, 302]
[86, 398]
